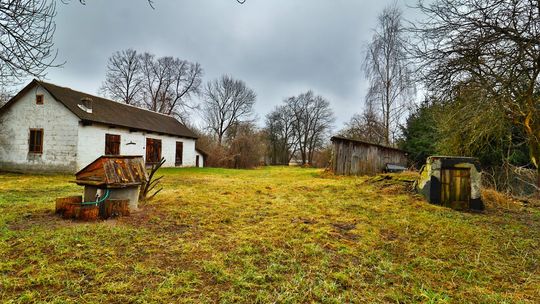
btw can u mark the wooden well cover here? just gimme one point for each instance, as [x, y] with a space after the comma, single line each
[113, 171]
[456, 188]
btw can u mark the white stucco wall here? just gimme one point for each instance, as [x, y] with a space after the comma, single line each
[201, 159]
[91, 145]
[69, 146]
[60, 128]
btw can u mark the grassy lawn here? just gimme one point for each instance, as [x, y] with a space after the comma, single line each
[284, 235]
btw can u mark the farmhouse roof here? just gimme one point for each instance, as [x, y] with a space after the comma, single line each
[337, 137]
[109, 112]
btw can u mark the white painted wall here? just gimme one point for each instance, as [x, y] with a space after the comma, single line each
[60, 128]
[201, 159]
[91, 145]
[68, 146]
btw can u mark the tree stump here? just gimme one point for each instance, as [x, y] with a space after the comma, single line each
[88, 213]
[113, 208]
[62, 202]
[71, 210]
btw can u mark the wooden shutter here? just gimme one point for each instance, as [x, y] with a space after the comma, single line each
[35, 141]
[39, 99]
[153, 150]
[112, 144]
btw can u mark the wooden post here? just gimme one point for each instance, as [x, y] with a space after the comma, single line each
[114, 208]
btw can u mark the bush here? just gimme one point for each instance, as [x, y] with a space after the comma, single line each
[244, 148]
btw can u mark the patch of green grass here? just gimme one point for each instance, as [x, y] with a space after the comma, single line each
[285, 235]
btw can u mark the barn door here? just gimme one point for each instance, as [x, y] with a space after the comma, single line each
[456, 188]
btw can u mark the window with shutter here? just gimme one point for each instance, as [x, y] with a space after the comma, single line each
[35, 142]
[112, 144]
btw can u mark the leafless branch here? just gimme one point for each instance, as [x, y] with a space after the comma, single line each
[26, 39]
[226, 102]
[388, 72]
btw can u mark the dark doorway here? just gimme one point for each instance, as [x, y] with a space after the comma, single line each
[179, 153]
[197, 161]
[456, 188]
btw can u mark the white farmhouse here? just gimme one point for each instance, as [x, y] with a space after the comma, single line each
[48, 128]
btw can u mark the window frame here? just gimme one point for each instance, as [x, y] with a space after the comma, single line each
[112, 139]
[32, 146]
[40, 99]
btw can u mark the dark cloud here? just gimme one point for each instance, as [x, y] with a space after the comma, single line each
[279, 47]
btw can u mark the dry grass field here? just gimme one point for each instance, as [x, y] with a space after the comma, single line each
[270, 235]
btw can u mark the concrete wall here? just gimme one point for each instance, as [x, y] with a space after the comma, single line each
[430, 181]
[60, 131]
[91, 145]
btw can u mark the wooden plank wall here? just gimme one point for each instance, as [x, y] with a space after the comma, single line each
[356, 158]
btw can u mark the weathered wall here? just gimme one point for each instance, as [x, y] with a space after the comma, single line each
[91, 145]
[355, 158]
[429, 182]
[69, 146]
[59, 135]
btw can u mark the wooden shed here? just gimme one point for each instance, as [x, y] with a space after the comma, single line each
[452, 181]
[356, 157]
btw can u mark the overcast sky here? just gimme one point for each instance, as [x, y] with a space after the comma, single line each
[279, 48]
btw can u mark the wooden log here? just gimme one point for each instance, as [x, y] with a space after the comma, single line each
[88, 213]
[61, 203]
[71, 210]
[113, 208]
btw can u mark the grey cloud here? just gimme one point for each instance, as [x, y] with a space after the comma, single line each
[279, 48]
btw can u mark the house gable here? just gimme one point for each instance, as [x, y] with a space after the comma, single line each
[58, 128]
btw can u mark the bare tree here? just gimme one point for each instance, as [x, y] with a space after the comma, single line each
[280, 133]
[5, 96]
[83, 2]
[246, 145]
[387, 69]
[168, 84]
[123, 81]
[312, 119]
[366, 126]
[26, 39]
[493, 44]
[227, 101]
[150, 2]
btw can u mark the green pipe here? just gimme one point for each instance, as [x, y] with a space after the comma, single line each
[99, 201]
